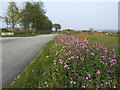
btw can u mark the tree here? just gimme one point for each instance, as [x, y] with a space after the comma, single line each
[57, 26]
[40, 20]
[118, 32]
[13, 14]
[26, 15]
[91, 30]
[33, 15]
[47, 24]
[39, 16]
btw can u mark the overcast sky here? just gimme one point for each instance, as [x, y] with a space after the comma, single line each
[79, 15]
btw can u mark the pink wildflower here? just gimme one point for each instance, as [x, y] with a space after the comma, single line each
[72, 57]
[106, 64]
[83, 86]
[61, 62]
[33, 70]
[113, 49]
[114, 55]
[46, 82]
[71, 81]
[92, 54]
[86, 77]
[62, 41]
[98, 71]
[65, 62]
[77, 57]
[54, 61]
[65, 86]
[114, 86]
[56, 53]
[65, 66]
[97, 86]
[75, 73]
[82, 46]
[101, 84]
[74, 82]
[65, 54]
[67, 43]
[97, 48]
[89, 75]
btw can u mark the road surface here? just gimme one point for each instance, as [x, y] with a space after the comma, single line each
[18, 52]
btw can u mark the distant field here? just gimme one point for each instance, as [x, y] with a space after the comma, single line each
[107, 41]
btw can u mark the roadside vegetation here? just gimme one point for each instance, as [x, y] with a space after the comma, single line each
[72, 60]
[28, 34]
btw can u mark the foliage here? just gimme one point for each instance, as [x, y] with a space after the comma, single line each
[7, 21]
[57, 26]
[34, 15]
[31, 16]
[13, 14]
[27, 34]
[26, 15]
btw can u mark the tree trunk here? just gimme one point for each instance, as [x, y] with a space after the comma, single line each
[25, 28]
[33, 31]
[28, 30]
[13, 28]
[7, 27]
[56, 29]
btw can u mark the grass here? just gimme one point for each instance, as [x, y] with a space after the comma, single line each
[40, 70]
[107, 41]
[29, 79]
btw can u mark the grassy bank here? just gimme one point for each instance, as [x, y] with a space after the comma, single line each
[67, 62]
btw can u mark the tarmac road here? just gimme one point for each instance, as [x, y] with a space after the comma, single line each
[17, 53]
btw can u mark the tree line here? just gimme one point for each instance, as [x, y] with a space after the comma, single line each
[32, 16]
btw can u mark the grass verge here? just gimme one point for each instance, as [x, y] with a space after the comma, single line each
[32, 77]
